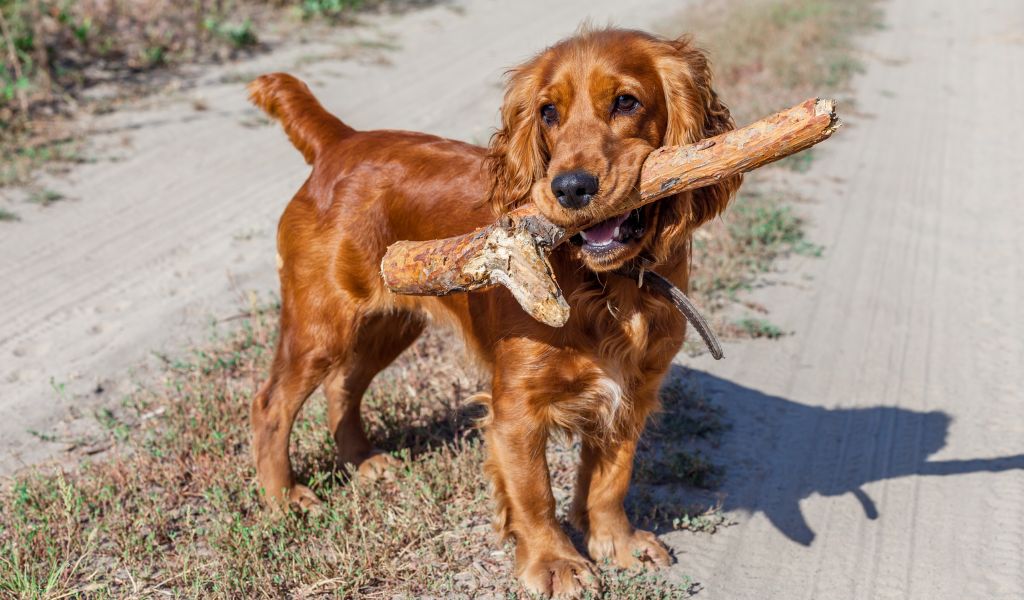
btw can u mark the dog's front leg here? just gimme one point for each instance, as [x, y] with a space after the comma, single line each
[598, 508]
[547, 563]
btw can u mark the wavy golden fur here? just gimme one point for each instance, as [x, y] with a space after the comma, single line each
[598, 102]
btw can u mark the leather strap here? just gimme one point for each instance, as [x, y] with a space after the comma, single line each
[658, 284]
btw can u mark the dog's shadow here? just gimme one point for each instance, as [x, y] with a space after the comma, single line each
[777, 452]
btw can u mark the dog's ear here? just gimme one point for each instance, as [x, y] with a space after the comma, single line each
[517, 156]
[694, 112]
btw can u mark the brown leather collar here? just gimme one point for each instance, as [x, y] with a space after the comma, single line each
[658, 284]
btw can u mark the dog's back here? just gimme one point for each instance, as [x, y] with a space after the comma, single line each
[367, 190]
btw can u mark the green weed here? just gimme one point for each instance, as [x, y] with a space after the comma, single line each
[730, 252]
[329, 8]
[760, 328]
[44, 197]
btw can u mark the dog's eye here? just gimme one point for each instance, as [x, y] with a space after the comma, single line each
[549, 114]
[626, 104]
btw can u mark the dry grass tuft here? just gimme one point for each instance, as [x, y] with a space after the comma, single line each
[769, 54]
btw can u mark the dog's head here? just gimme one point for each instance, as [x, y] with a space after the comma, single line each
[577, 123]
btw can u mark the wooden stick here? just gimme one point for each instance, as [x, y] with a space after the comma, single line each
[513, 251]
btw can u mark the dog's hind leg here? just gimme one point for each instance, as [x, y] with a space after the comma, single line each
[378, 341]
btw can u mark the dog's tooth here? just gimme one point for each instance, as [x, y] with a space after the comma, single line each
[615, 235]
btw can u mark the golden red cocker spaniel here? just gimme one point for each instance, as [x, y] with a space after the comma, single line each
[576, 124]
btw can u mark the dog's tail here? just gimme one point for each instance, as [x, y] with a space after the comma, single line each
[309, 126]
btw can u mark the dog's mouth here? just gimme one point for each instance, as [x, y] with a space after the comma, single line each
[612, 234]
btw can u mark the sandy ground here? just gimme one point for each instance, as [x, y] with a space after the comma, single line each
[876, 452]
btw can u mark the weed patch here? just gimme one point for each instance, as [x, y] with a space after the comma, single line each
[760, 328]
[731, 252]
[21, 154]
[44, 197]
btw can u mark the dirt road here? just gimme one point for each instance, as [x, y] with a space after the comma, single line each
[878, 451]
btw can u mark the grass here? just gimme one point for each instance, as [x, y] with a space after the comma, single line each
[52, 52]
[769, 54]
[54, 49]
[173, 510]
[730, 253]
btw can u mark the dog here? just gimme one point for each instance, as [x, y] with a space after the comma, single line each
[577, 122]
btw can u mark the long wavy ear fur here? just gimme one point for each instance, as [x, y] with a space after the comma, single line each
[694, 112]
[516, 157]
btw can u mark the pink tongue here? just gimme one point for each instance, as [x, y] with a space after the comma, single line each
[604, 232]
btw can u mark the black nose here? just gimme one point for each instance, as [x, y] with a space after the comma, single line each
[574, 189]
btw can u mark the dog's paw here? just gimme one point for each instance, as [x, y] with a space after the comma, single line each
[638, 549]
[560, 577]
[303, 499]
[377, 466]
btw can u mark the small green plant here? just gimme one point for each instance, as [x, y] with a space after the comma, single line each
[6, 215]
[328, 8]
[20, 156]
[760, 328]
[241, 35]
[12, 86]
[109, 421]
[668, 514]
[805, 248]
[44, 197]
[702, 521]
[770, 225]
[46, 437]
[641, 585]
[59, 387]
